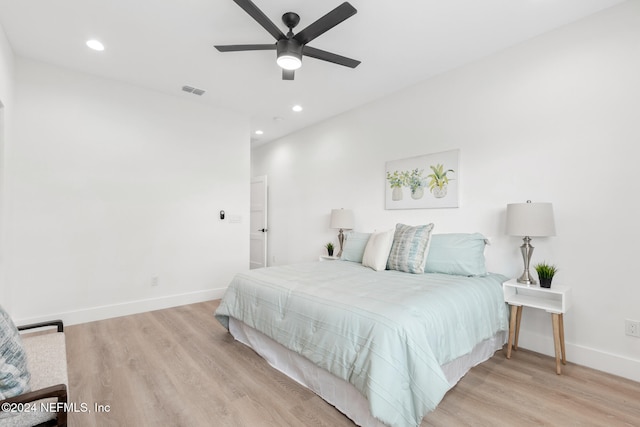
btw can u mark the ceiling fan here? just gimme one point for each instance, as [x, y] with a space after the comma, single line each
[291, 47]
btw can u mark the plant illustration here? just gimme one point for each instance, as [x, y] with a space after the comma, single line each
[414, 179]
[396, 179]
[438, 179]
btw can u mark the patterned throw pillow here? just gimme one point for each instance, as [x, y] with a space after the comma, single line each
[14, 375]
[410, 248]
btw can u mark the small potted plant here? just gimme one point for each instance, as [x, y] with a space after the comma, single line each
[545, 273]
[329, 247]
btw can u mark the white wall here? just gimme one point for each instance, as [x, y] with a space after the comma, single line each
[109, 186]
[6, 109]
[554, 119]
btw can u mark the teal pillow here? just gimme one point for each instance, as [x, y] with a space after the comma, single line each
[14, 375]
[457, 253]
[354, 244]
[410, 247]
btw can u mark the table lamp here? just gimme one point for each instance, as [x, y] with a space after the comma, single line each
[343, 220]
[526, 220]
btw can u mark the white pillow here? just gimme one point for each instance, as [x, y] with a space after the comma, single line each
[377, 250]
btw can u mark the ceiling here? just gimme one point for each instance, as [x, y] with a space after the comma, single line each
[163, 45]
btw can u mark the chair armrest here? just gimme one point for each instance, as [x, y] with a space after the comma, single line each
[58, 391]
[57, 323]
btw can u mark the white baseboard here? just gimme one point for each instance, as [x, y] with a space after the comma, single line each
[593, 358]
[92, 314]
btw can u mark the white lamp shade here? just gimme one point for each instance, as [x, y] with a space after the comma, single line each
[342, 218]
[530, 219]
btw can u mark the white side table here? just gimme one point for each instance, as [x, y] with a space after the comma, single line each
[327, 258]
[555, 300]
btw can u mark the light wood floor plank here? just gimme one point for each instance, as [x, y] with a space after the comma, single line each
[180, 367]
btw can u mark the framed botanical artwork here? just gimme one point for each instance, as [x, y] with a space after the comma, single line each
[429, 181]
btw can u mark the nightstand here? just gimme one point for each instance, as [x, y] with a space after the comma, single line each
[555, 300]
[327, 258]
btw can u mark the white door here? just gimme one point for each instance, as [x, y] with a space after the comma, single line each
[258, 235]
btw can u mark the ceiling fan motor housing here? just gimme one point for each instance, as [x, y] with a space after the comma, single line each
[289, 50]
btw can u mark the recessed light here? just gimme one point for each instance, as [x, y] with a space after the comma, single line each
[259, 132]
[297, 108]
[95, 45]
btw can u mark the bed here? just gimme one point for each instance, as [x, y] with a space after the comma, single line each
[382, 346]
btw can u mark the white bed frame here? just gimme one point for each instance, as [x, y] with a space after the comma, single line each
[336, 391]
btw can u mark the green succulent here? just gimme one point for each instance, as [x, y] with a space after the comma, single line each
[329, 247]
[545, 271]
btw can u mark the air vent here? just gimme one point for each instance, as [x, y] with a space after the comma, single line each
[193, 90]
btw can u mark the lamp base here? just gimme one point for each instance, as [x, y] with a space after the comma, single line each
[527, 279]
[341, 241]
[527, 250]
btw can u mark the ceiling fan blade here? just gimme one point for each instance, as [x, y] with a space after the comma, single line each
[327, 22]
[261, 18]
[330, 57]
[243, 47]
[288, 74]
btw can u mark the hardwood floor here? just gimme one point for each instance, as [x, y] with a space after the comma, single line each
[180, 367]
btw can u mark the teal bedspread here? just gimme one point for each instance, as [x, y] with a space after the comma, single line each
[387, 332]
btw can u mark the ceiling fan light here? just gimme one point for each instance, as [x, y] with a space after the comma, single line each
[289, 62]
[289, 54]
